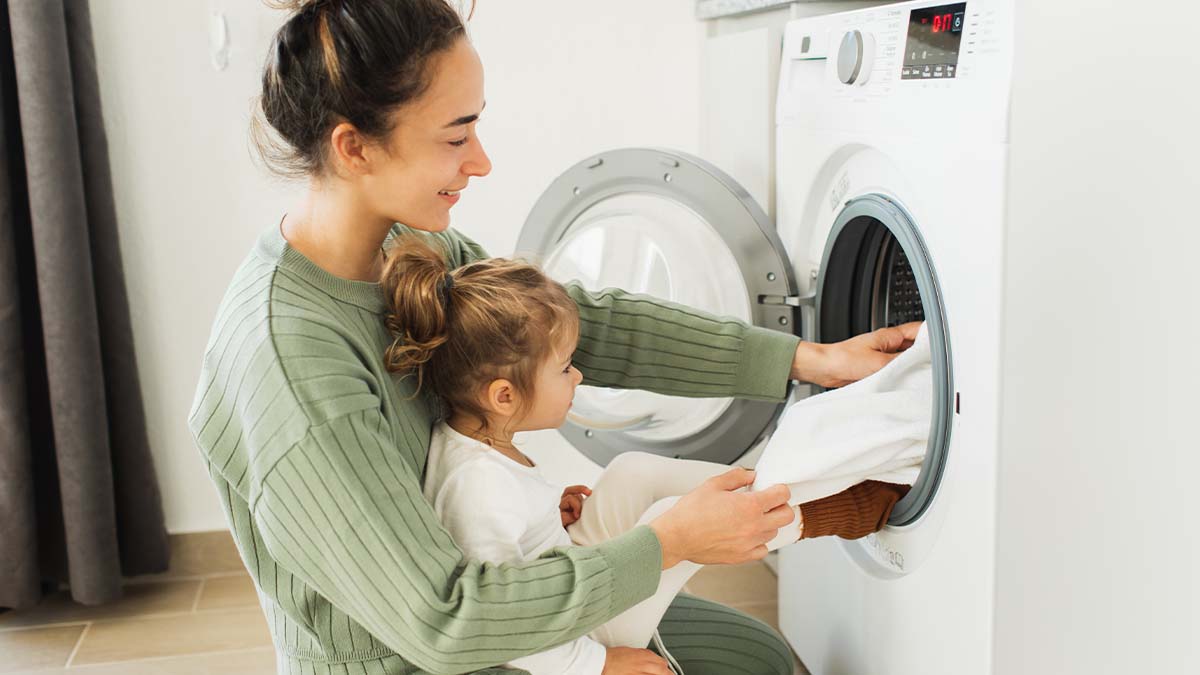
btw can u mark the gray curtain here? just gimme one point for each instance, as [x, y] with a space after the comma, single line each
[79, 501]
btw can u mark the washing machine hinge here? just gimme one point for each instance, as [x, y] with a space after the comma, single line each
[809, 300]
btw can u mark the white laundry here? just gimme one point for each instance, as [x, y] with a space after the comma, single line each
[874, 429]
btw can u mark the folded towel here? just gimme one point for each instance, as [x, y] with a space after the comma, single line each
[874, 429]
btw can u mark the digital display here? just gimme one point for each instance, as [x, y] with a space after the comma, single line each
[934, 36]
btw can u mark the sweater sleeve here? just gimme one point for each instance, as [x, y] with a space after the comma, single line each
[852, 513]
[343, 511]
[634, 341]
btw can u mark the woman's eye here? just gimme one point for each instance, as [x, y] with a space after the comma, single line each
[458, 143]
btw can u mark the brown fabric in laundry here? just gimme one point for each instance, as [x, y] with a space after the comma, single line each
[852, 513]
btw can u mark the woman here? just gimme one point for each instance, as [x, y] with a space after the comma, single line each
[317, 451]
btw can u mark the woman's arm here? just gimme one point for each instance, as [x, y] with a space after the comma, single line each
[638, 342]
[634, 341]
[344, 511]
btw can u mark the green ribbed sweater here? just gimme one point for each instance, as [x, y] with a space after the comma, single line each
[317, 453]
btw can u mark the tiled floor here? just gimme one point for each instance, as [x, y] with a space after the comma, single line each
[202, 617]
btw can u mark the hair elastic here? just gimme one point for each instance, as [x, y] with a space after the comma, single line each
[447, 286]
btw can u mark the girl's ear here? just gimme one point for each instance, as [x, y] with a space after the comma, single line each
[501, 398]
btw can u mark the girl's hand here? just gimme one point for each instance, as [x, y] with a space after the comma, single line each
[571, 504]
[630, 661]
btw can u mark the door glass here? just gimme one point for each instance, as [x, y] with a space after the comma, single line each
[646, 243]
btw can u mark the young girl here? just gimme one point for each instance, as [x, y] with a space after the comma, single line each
[494, 341]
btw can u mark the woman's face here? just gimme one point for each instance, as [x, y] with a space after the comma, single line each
[433, 151]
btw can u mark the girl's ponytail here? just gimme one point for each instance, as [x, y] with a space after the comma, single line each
[459, 330]
[419, 288]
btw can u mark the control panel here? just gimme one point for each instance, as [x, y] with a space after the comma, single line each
[933, 42]
[929, 62]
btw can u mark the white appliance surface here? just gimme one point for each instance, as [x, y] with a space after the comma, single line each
[1049, 178]
[1049, 185]
[938, 148]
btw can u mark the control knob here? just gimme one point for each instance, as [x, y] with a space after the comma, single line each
[855, 57]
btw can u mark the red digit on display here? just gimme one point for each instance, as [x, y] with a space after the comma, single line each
[937, 24]
[947, 21]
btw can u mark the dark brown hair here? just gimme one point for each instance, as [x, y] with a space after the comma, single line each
[457, 331]
[356, 61]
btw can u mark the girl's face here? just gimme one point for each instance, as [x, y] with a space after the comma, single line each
[433, 151]
[554, 389]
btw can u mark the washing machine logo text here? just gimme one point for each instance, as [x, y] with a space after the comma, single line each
[890, 557]
[839, 190]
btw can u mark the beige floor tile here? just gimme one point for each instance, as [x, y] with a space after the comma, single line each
[173, 635]
[252, 662]
[228, 592]
[248, 662]
[738, 584]
[138, 599]
[29, 648]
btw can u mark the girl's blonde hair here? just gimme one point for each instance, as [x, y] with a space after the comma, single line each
[458, 330]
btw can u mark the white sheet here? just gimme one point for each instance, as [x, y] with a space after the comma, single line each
[874, 429]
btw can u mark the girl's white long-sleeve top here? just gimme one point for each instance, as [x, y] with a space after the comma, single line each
[498, 511]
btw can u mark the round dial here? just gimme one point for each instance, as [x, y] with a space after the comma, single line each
[855, 56]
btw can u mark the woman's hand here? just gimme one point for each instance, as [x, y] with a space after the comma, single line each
[841, 363]
[630, 661]
[714, 525]
[571, 504]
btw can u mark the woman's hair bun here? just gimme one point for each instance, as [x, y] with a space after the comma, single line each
[294, 6]
[355, 61]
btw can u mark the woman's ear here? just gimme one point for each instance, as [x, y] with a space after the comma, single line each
[349, 148]
[501, 398]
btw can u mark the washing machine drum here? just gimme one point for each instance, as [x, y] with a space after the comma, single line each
[672, 226]
[876, 271]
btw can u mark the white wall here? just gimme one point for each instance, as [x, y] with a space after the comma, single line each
[564, 80]
[1098, 556]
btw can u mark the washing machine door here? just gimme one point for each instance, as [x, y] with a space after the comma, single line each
[675, 227]
[876, 272]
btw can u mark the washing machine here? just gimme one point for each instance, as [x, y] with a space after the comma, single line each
[891, 160]
[892, 157]
[1037, 223]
